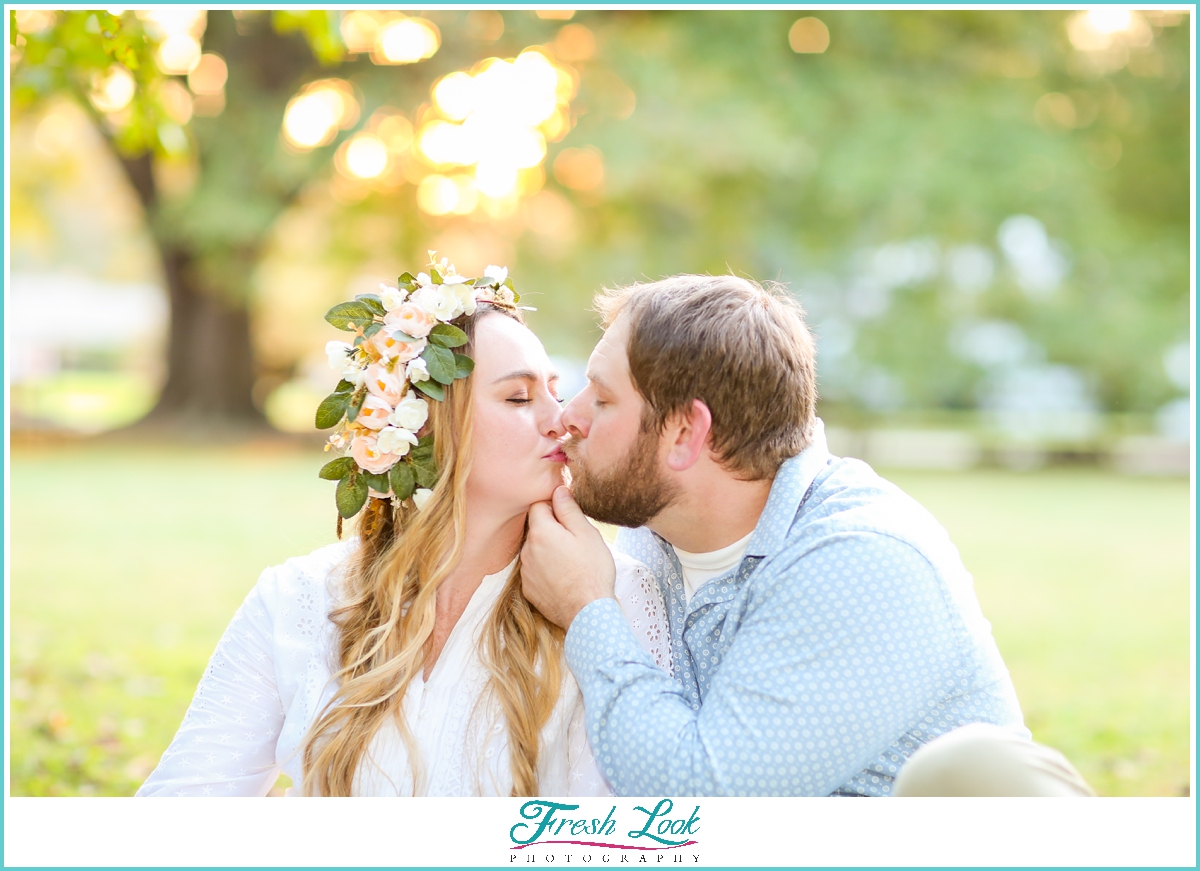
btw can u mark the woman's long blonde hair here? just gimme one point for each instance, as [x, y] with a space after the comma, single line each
[386, 617]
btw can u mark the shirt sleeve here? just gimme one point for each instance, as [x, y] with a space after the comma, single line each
[838, 652]
[226, 744]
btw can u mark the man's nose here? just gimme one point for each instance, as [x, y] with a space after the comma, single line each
[574, 415]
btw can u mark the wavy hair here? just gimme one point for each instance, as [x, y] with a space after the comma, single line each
[386, 617]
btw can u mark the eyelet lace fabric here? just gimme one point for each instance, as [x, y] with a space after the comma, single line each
[271, 674]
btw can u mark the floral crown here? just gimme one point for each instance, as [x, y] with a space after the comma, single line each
[401, 357]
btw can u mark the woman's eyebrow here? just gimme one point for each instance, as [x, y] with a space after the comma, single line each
[525, 375]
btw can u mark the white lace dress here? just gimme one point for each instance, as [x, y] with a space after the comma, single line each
[271, 674]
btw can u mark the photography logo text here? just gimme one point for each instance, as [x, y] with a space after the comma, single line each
[566, 835]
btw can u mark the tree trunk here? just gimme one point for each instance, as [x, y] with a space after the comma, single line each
[210, 351]
[210, 356]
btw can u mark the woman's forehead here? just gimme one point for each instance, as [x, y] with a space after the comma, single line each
[501, 341]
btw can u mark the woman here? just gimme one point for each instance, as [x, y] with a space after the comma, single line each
[406, 661]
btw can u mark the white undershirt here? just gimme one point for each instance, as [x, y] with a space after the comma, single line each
[700, 568]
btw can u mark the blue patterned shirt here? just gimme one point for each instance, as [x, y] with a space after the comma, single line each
[848, 636]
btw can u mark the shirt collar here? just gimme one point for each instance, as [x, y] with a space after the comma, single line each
[791, 483]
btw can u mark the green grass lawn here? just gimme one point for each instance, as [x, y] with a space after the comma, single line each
[127, 563]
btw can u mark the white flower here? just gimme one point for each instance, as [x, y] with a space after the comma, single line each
[395, 440]
[504, 295]
[411, 413]
[417, 370]
[466, 298]
[496, 273]
[392, 297]
[423, 279]
[354, 373]
[420, 497]
[439, 300]
[453, 279]
[337, 353]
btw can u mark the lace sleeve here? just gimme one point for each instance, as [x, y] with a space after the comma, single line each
[226, 744]
[642, 604]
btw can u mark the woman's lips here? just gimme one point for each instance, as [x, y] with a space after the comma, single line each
[556, 456]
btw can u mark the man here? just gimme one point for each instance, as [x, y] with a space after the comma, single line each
[823, 627]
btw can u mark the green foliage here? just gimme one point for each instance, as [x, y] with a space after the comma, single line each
[447, 336]
[348, 315]
[424, 466]
[431, 389]
[351, 494]
[82, 47]
[337, 469]
[320, 28]
[356, 403]
[440, 363]
[379, 483]
[463, 366]
[402, 480]
[331, 410]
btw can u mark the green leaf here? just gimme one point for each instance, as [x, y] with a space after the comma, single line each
[447, 336]
[351, 495]
[425, 470]
[440, 363]
[344, 386]
[431, 389]
[402, 480]
[401, 336]
[337, 469]
[331, 409]
[379, 483]
[348, 315]
[372, 330]
[463, 365]
[356, 404]
[407, 281]
[373, 302]
[435, 276]
[508, 283]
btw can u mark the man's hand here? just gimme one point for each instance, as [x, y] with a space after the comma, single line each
[565, 563]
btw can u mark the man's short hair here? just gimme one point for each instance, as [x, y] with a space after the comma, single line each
[739, 347]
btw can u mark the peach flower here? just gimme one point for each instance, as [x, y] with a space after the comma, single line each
[411, 319]
[388, 386]
[389, 347]
[366, 453]
[374, 413]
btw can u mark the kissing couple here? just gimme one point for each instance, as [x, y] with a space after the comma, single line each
[771, 620]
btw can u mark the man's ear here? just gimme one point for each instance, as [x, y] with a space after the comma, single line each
[688, 434]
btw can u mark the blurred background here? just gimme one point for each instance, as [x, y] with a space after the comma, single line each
[985, 215]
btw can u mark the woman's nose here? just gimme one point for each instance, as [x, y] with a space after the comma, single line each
[552, 422]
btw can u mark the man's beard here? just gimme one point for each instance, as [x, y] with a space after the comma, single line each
[631, 493]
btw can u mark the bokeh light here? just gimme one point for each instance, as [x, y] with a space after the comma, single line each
[114, 91]
[314, 116]
[34, 20]
[809, 36]
[496, 118]
[359, 31]
[209, 75]
[406, 41]
[366, 156]
[580, 169]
